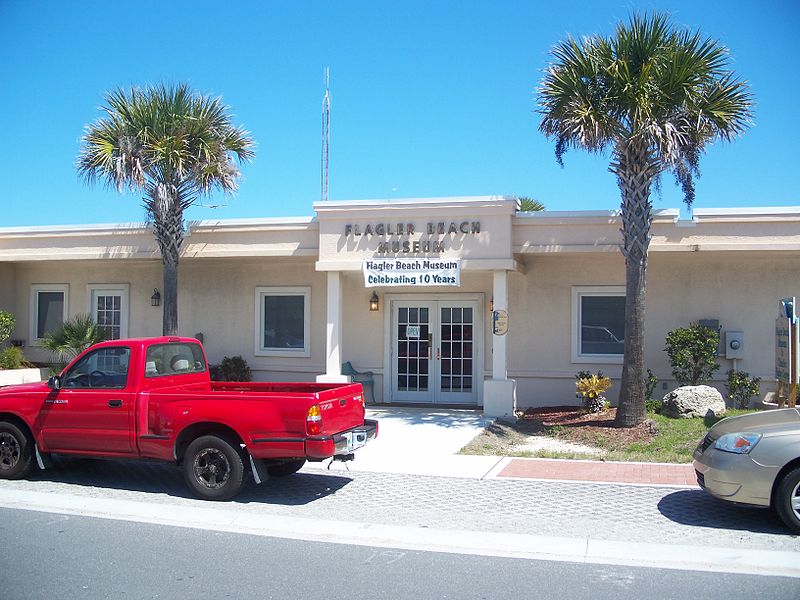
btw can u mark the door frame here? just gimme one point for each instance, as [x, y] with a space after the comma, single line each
[479, 338]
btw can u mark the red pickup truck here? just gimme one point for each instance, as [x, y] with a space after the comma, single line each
[153, 398]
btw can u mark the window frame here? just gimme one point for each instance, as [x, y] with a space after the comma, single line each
[578, 293]
[265, 291]
[124, 293]
[36, 288]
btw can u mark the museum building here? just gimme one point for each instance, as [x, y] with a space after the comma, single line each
[439, 301]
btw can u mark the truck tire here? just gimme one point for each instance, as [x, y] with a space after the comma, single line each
[284, 469]
[213, 468]
[16, 452]
[787, 500]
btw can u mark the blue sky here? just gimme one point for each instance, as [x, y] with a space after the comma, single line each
[429, 99]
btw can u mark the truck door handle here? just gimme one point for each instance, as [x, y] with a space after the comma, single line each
[115, 403]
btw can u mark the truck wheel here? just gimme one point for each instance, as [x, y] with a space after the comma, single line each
[787, 500]
[213, 469]
[285, 468]
[16, 452]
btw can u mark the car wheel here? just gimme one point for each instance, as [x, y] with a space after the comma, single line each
[787, 499]
[16, 452]
[213, 469]
[285, 469]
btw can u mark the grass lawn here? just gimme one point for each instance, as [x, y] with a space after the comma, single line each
[564, 432]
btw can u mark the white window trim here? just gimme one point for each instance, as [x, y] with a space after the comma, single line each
[263, 291]
[34, 305]
[124, 292]
[591, 290]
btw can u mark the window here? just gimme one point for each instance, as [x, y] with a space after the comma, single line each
[173, 359]
[109, 309]
[598, 318]
[48, 309]
[283, 315]
[104, 368]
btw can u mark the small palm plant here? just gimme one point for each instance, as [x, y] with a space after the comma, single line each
[591, 387]
[73, 337]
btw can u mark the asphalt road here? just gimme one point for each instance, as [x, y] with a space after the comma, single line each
[48, 555]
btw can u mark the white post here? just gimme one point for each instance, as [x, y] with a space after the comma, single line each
[333, 332]
[500, 301]
[500, 392]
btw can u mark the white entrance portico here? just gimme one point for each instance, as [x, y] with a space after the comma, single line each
[434, 274]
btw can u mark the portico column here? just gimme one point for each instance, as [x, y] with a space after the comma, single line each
[500, 302]
[333, 332]
[500, 392]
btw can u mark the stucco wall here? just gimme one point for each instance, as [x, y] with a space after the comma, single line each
[217, 298]
[141, 277]
[7, 287]
[741, 290]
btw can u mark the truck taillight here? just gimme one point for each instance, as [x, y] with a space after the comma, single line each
[363, 405]
[314, 420]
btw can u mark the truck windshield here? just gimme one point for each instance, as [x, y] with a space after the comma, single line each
[173, 359]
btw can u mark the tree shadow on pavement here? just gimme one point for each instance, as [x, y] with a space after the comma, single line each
[164, 478]
[696, 507]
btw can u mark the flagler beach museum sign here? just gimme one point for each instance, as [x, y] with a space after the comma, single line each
[399, 238]
[414, 272]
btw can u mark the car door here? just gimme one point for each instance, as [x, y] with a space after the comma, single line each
[93, 410]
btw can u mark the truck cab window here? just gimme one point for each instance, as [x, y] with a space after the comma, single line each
[103, 368]
[173, 359]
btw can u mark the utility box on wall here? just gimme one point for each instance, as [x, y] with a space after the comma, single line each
[734, 344]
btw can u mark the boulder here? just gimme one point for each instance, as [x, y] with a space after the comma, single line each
[693, 401]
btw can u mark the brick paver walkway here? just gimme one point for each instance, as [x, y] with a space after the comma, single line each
[594, 470]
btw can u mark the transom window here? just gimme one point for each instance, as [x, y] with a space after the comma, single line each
[283, 317]
[598, 320]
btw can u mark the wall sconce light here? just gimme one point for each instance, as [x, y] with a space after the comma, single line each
[155, 299]
[374, 302]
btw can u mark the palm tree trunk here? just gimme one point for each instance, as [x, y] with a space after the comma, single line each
[170, 322]
[631, 408]
[166, 210]
[635, 173]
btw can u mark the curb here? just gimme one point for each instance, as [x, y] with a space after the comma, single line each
[582, 550]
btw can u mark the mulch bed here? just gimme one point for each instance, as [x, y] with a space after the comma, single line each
[575, 424]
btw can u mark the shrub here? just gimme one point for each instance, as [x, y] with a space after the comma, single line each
[590, 387]
[7, 323]
[232, 368]
[650, 384]
[653, 406]
[692, 353]
[13, 358]
[740, 388]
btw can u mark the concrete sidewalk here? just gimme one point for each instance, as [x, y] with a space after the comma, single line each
[421, 441]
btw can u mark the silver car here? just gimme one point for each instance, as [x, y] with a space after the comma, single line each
[754, 459]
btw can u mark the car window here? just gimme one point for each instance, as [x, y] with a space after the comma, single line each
[173, 359]
[103, 368]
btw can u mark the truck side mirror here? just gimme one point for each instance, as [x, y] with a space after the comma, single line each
[54, 383]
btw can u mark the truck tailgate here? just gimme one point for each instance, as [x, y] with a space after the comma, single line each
[341, 408]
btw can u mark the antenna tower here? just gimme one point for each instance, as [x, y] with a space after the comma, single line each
[326, 137]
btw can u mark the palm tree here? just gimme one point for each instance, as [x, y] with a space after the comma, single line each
[656, 96]
[173, 145]
[73, 337]
[527, 204]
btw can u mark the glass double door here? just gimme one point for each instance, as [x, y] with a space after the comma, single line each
[433, 352]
